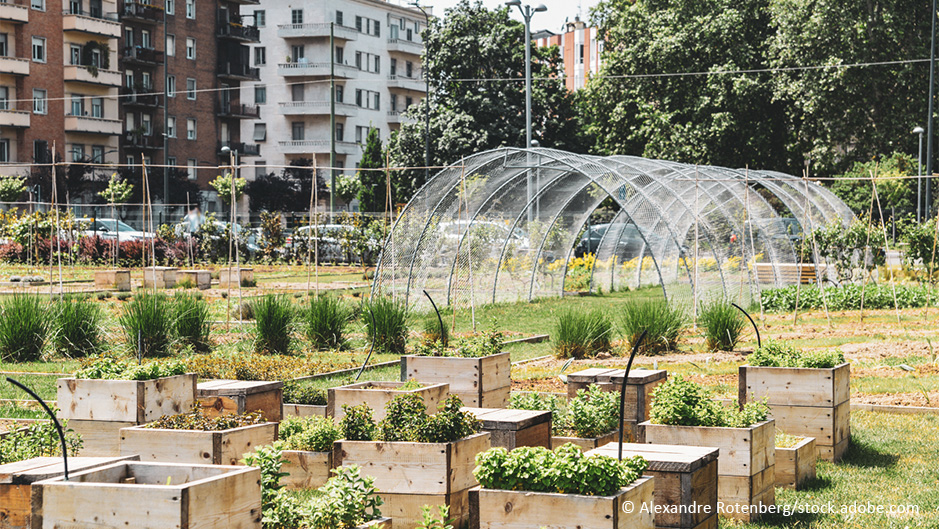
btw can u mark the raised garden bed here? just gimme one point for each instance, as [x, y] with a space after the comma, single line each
[201, 279]
[639, 388]
[480, 382]
[303, 410]
[586, 443]
[234, 277]
[378, 394]
[795, 464]
[142, 494]
[513, 428]
[219, 397]
[159, 277]
[307, 446]
[113, 280]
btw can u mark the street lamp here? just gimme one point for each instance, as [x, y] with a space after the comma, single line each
[919, 174]
[527, 13]
[426, 94]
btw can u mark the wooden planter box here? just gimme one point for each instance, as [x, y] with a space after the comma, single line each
[639, 389]
[513, 428]
[225, 447]
[587, 443]
[381, 523]
[132, 494]
[306, 470]
[303, 410]
[113, 280]
[805, 402]
[220, 397]
[159, 277]
[479, 382]
[378, 394]
[796, 465]
[410, 475]
[16, 480]
[685, 478]
[746, 466]
[509, 509]
[230, 277]
[201, 279]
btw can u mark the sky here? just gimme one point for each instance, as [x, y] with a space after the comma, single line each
[553, 19]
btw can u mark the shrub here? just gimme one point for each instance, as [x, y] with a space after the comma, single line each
[110, 368]
[37, 439]
[664, 323]
[578, 334]
[23, 328]
[357, 424]
[274, 322]
[191, 315]
[435, 333]
[389, 330]
[723, 324]
[680, 402]
[147, 319]
[77, 330]
[300, 393]
[311, 434]
[278, 510]
[593, 412]
[407, 420]
[347, 500]
[776, 354]
[325, 319]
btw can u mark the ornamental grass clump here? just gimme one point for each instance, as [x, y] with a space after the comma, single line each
[723, 325]
[76, 324]
[192, 324]
[664, 324]
[680, 402]
[146, 322]
[325, 319]
[274, 316]
[386, 324]
[777, 354]
[23, 328]
[578, 334]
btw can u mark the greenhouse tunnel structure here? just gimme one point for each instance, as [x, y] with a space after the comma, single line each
[504, 225]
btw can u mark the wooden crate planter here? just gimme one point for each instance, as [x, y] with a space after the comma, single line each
[509, 509]
[306, 470]
[586, 443]
[140, 494]
[16, 480]
[235, 277]
[303, 410]
[513, 428]
[795, 465]
[225, 447]
[479, 382]
[639, 388]
[113, 280]
[746, 466]
[378, 394]
[201, 279]
[219, 397]
[806, 402]
[410, 475]
[685, 479]
[159, 277]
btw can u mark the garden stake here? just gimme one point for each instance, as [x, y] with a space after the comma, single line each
[139, 347]
[622, 392]
[58, 426]
[370, 348]
[758, 342]
[439, 319]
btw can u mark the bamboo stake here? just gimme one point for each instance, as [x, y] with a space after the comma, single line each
[818, 277]
[893, 283]
[931, 265]
[867, 244]
[694, 284]
[52, 234]
[309, 237]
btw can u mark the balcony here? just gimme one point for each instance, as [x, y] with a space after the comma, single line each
[320, 30]
[141, 55]
[14, 65]
[314, 69]
[144, 13]
[236, 71]
[90, 75]
[14, 11]
[140, 97]
[245, 2]
[238, 111]
[236, 31]
[144, 142]
[405, 46]
[243, 149]
[93, 24]
[14, 118]
[396, 117]
[406, 83]
[316, 108]
[89, 125]
[317, 147]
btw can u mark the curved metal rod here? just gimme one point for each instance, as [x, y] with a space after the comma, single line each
[759, 342]
[58, 426]
[371, 346]
[622, 391]
[439, 319]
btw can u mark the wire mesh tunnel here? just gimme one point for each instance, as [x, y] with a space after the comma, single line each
[505, 225]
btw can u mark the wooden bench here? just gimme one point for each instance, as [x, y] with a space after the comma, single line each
[513, 428]
[789, 273]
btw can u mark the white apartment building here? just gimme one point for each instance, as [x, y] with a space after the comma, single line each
[377, 74]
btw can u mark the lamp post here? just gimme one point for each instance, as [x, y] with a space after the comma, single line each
[919, 174]
[426, 94]
[527, 13]
[929, 115]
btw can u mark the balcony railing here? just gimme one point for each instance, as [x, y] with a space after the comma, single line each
[140, 96]
[91, 75]
[145, 55]
[135, 11]
[231, 30]
[236, 110]
[236, 70]
[243, 149]
[314, 69]
[14, 118]
[405, 46]
[317, 146]
[315, 108]
[108, 25]
[315, 30]
[14, 65]
[92, 125]
[151, 141]
[15, 11]
[407, 83]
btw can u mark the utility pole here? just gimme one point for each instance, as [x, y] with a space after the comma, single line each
[332, 124]
[929, 127]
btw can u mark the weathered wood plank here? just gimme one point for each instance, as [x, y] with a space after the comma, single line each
[795, 386]
[306, 470]
[135, 401]
[378, 394]
[224, 447]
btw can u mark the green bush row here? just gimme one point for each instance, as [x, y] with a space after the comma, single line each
[848, 297]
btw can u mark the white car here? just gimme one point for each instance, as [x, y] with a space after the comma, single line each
[111, 229]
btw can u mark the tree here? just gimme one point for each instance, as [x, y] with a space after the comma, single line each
[729, 119]
[11, 188]
[347, 187]
[897, 195]
[223, 186]
[118, 190]
[475, 61]
[288, 191]
[373, 193]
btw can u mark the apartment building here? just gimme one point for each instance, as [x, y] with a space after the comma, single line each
[581, 51]
[375, 65]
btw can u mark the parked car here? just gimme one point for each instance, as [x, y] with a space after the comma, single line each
[111, 229]
[218, 227]
[630, 242]
[328, 239]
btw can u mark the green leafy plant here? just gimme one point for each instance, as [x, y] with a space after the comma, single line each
[311, 434]
[578, 334]
[147, 318]
[11, 188]
[37, 439]
[111, 368]
[23, 328]
[386, 324]
[410, 385]
[348, 499]
[406, 419]
[723, 325]
[357, 424]
[476, 346]
[191, 315]
[223, 186]
[196, 419]
[441, 521]
[434, 333]
[664, 324]
[274, 322]
[300, 393]
[325, 319]
[593, 412]
[778, 354]
[680, 402]
[278, 510]
[541, 402]
[118, 191]
[448, 424]
[76, 323]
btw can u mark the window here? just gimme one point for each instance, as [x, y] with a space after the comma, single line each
[260, 94]
[97, 107]
[376, 98]
[96, 58]
[191, 168]
[130, 122]
[38, 5]
[339, 93]
[340, 55]
[190, 48]
[39, 48]
[5, 150]
[296, 92]
[129, 79]
[408, 101]
[145, 38]
[190, 129]
[40, 102]
[361, 134]
[260, 18]
[129, 160]
[170, 86]
[296, 16]
[393, 32]
[297, 53]
[581, 58]
[358, 60]
[259, 168]
[78, 152]
[97, 154]
[4, 51]
[394, 67]
[191, 9]
[409, 35]
[4, 98]
[358, 23]
[358, 97]
[338, 18]
[147, 123]
[260, 56]
[78, 105]
[394, 102]
[191, 88]
[171, 162]
[368, 99]
[40, 151]
[128, 37]
[95, 9]
[260, 132]
[146, 81]
[170, 126]
[377, 64]
[296, 131]
[74, 54]
[409, 69]
[170, 6]
[340, 129]
[171, 45]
